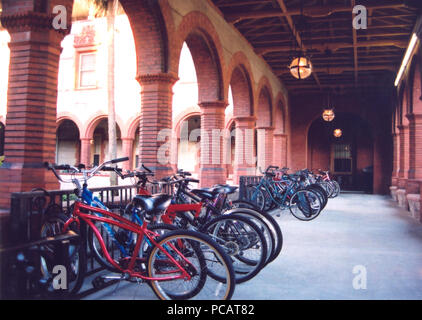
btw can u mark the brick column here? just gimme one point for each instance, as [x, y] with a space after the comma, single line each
[86, 151]
[394, 175]
[280, 149]
[401, 158]
[418, 145]
[156, 115]
[212, 167]
[30, 136]
[265, 146]
[245, 159]
[127, 148]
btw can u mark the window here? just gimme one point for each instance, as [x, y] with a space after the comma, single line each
[87, 70]
[342, 158]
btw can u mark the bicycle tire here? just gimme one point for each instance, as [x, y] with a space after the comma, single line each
[236, 245]
[201, 240]
[276, 233]
[51, 226]
[304, 206]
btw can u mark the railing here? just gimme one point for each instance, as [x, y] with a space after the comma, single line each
[244, 181]
[29, 210]
[21, 276]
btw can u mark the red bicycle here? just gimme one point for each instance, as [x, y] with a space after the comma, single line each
[176, 265]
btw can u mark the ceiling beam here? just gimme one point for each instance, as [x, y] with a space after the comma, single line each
[313, 12]
[340, 70]
[336, 46]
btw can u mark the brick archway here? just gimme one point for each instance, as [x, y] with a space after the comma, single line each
[264, 125]
[243, 111]
[67, 116]
[240, 77]
[205, 47]
[204, 44]
[280, 147]
[88, 131]
[150, 35]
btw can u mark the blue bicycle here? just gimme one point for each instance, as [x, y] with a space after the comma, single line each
[304, 204]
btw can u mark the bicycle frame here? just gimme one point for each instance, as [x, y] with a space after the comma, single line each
[141, 231]
[265, 184]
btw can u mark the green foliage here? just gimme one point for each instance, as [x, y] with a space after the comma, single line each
[1, 160]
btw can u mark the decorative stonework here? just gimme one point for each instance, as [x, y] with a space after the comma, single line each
[213, 104]
[158, 77]
[414, 205]
[31, 21]
[86, 38]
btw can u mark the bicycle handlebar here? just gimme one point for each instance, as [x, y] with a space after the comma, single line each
[119, 160]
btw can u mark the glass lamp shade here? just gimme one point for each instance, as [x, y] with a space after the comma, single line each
[328, 115]
[338, 133]
[301, 68]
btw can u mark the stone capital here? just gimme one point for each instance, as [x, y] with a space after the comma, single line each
[166, 78]
[213, 104]
[267, 128]
[38, 19]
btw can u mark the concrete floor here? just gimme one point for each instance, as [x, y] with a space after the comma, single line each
[366, 232]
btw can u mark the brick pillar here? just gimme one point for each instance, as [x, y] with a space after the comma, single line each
[401, 158]
[394, 175]
[280, 149]
[245, 159]
[156, 118]
[86, 151]
[265, 146]
[30, 135]
[212, 167]
[418, 145]
[127, 148]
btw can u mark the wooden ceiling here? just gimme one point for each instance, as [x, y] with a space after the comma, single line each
[342, 57]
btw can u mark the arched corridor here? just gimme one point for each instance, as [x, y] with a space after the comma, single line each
[225, 89]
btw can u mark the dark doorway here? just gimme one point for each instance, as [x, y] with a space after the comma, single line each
[343, 146]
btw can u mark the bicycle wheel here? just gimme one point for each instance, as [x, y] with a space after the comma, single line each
[322, 195]
[193, 251]
[256, 195]
[52, 226]
[305, 205]
[242, 240]
[118, 243]
[336, 188]
[267, 222]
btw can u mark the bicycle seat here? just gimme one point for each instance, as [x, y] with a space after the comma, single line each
[153, 204]
[204, 193]
[224, 188]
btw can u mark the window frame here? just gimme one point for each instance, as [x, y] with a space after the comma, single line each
[78, 70]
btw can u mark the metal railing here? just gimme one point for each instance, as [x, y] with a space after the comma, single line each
[245, 181]
[21, 273]
[29, 210]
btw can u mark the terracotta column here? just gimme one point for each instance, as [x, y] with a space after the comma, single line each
[127, 148]
[156, 122]
[280, 149]
[212, 167]
[418, 146]
[265, 142]
[401, 158]
[394, 176]
[30, 136]
[245, 158]
[86, 151]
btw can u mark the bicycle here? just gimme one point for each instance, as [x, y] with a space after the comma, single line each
[244, 235]
[175, 264]
[304, 204]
